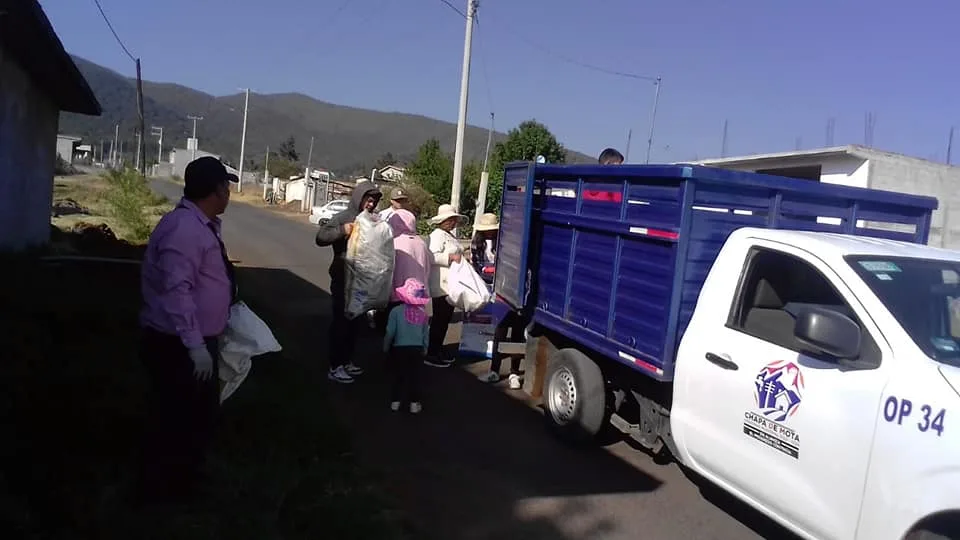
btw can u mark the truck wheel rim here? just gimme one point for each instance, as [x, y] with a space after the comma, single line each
[563, 396]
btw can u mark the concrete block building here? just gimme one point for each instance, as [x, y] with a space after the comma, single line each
[860, 166]
[39, 79]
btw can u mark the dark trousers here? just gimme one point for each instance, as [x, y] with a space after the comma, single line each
[514, 326]
[442, 315]
[405, 365]
[342, 336]
[181, 416]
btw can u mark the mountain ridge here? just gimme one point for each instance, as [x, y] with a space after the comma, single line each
[347, 139]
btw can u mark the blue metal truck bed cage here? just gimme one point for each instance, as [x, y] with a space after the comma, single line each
[614, 257]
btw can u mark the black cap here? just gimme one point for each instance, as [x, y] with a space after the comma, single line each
[204, 175]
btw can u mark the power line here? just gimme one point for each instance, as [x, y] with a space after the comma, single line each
[455, 8]
[110, 26]
[573, 61]
[338, 11]
[483, 66]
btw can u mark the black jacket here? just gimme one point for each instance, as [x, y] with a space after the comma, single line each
[331, 234]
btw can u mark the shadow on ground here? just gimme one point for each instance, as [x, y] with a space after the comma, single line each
[72, 397]
[476, 463]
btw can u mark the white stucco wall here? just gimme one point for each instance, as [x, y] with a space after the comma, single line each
[846, 171]
[28, 145]
[295, 191]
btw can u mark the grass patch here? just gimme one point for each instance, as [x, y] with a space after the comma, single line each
[121, 200]
[72, 399]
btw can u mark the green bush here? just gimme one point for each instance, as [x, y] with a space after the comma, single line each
[128, 196]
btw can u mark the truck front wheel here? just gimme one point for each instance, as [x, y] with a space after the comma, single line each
[574, 397]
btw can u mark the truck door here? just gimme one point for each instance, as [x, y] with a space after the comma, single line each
[789, 430]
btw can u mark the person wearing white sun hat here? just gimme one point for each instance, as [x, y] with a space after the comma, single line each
[446, 250]
[483, 247]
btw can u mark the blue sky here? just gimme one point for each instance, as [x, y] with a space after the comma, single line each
[776, 70]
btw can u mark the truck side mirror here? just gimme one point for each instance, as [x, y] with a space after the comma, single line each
[829, 332]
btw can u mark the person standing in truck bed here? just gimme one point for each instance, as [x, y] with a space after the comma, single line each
[610, 156]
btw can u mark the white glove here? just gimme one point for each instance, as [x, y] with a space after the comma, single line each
[202, 363]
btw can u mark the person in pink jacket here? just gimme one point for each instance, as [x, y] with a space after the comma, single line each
[413, 257]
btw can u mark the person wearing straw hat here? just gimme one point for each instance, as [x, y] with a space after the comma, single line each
[406, 340]
[446, 250]
[484, 244]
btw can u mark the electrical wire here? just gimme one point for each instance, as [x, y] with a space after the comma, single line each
[454, 8]
[110, 26]
[567, 59]
[483, 66]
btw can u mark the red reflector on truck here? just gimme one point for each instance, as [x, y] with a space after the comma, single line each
[655, 233]
[602, 196]
[640, 363]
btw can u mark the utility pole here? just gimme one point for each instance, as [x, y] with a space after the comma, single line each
[309, 189]
[141, 151]
[653, 117]
[950, 145]
[266, 174]
[113, 149]
[158, 131]
[723, 140]
[310, 154]
[484, 177]
[472, 6]
[137, 160]
[243, 139]
[626, 154]
[195, 142]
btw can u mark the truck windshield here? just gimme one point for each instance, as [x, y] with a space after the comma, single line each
[923, 295]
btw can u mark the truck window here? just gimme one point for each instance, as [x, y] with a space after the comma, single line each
[774, 287]
[923, 295]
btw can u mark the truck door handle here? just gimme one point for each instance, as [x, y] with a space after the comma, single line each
[722, 360]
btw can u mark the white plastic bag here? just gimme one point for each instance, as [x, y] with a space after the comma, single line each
[465, 288]
[246, 336]
[369, 265]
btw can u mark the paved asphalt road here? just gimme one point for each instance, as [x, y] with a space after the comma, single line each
[477, 463]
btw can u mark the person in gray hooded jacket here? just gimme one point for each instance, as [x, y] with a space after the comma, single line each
[335, 233]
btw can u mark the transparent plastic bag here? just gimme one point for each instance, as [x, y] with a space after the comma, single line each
[369, 265]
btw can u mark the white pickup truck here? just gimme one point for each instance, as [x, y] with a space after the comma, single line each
[721, 318]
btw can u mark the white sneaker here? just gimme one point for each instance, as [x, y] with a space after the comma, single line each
[395, 406]
[353, 370]
[490, 377]
[340, 375]
[415, 407]
[514, 381]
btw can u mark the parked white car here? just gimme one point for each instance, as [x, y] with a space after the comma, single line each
[322, 214]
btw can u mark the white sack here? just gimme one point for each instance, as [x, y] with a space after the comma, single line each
[246, 336]
[465, 288]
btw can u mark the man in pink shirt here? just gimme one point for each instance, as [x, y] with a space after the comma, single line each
[188, 285]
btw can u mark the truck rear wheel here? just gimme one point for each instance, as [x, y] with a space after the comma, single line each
[574, 397]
